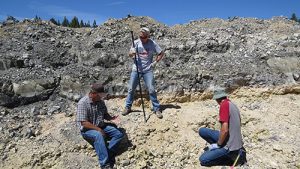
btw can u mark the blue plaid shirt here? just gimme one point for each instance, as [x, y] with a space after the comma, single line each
[93, 112]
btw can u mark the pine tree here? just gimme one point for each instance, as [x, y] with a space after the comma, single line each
[294, 17]
[9, 17]
[81, 23]
[53, 21]
[74, 23]
[58, 22]
[88, 24]
[65, 22]
[36, 18]
[94, 24]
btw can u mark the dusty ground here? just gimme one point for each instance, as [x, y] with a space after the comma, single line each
[270, 130]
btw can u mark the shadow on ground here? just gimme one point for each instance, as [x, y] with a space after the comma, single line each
[169, 106]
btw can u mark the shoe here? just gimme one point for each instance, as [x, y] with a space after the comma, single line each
[243, 159]
[159, 114]
[126, 111]
[106, 167]
[112, 159]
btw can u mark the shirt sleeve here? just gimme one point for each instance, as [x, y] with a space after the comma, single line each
[224, 112]
[81, 112]
[158, 50]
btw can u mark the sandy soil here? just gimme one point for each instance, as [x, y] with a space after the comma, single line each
[270, 131]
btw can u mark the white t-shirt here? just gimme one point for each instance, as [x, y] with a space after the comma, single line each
[145, 53]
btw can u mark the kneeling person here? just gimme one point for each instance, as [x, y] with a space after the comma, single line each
[226, 144]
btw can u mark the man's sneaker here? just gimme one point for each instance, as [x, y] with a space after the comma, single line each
[126, 111]
[159, 114]
[106, 167]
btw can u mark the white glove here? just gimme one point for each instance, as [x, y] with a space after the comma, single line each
[132, 52]
[153, 64]
[213, 146]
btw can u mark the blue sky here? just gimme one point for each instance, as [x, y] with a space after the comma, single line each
[169, 12]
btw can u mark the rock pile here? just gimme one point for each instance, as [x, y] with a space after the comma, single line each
[39, 60]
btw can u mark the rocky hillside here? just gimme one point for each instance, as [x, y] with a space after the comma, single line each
[40, 61]
[45, 69]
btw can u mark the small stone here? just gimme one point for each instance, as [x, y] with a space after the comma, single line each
[34, 111]
[130, 155]
[277, 147]
[5, 112]
[76, 97]
[37, 132]
[53, 110]
[125, 163]
[4, 157]
[29, 133]
[296, 76]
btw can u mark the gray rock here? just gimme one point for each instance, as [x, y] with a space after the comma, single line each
[53, 109]
[34, 111]
[125, 163]
[277, 147]
[296, 76]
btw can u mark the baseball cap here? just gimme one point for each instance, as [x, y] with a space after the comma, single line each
[145, 30]
[98, 88]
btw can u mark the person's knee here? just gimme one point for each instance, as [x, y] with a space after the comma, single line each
[98, 137]
[202, 132]
[120, 135]
[203, 161]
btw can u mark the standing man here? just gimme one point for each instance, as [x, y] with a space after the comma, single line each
[226, 144]
[91, 113]
[145, 49]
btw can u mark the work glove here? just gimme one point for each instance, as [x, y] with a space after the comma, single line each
[132, 52]
[212, 147]
[153, 64]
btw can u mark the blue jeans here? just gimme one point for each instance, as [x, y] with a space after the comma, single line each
[220, 156]
[149, 81]
[96, 139]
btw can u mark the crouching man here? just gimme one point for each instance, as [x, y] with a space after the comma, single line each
[91, 113]
[226, 145]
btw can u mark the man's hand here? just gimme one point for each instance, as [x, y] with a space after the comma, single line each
[88, 125]
[213, 146]
[102, 132]
[153, 64]
[132, 52]
[116, 120]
